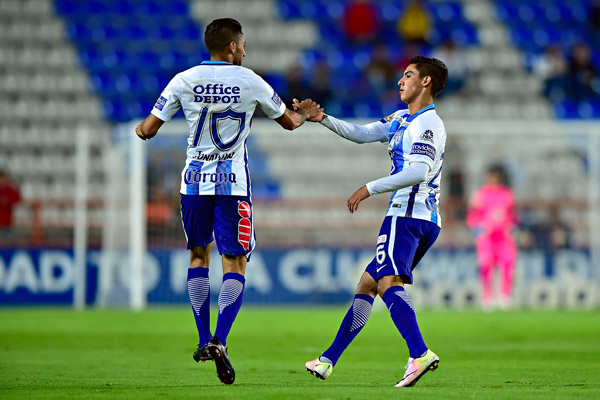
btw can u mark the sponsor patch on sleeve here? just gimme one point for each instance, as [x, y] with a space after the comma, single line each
[389, 118]
[427, 136]
[160, 103]
[423, 149]
[276, 99]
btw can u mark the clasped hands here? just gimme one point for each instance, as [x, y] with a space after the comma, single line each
[311, 110]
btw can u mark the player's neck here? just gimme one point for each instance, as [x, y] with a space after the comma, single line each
[419, 104]
[228, 58]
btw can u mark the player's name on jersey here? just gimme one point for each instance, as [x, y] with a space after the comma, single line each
[217, 93]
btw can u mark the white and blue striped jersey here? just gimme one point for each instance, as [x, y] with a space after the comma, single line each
[218, 100]
[419, 137]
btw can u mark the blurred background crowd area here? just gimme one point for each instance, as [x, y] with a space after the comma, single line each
[69, 65]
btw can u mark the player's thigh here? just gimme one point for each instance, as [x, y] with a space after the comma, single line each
[234, 225]
[429, 233]
[197, 217]
[507, 253]
[486, 252]
[396, 248]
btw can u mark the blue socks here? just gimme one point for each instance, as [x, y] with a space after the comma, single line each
[230, 301]
[404, 317]
[356, 317]
[199, 291]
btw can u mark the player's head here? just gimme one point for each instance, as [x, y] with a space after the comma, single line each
[496, 175]
[224, 36]
[423, 73]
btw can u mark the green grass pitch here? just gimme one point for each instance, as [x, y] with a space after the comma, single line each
[60, 353]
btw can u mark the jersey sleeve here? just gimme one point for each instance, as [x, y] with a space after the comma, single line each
[169, 101]
[373, 132]
[266, 97]
[428, 141]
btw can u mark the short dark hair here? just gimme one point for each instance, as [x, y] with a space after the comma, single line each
[220, 33]
[434, 68]
[500, 171]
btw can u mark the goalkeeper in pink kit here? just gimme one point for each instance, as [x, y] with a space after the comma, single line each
[491, 214]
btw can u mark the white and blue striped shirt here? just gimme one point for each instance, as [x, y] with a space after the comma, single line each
[420, 137]
[218, 100]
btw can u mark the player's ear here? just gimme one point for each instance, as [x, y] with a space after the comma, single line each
[231, 47]
[426, 81]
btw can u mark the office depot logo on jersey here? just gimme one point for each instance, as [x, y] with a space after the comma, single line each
[216, 93]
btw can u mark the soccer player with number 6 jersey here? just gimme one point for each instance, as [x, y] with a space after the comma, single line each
[218, 98]
[416, 140]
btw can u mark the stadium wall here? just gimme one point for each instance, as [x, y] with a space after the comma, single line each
[446, 278]
[307, 254]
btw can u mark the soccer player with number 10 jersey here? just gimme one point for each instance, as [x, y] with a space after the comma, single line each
[218, 98]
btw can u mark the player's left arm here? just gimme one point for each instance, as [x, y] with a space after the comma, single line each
[415, 173]
[428, 141]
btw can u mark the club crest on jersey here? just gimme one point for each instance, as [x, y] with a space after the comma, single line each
[389, 118]
[431, 204]
[276, 99]
[427, 136]
[160, 103]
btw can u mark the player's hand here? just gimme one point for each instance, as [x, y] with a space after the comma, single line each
[356, 198]
[138, 131]
[311, 110]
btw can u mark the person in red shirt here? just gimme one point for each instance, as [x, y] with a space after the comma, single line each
[9, 196]
[361, 21]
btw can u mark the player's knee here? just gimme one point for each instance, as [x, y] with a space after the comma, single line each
[199, 258]
[235, 264]
[388, 281]
[370, 289]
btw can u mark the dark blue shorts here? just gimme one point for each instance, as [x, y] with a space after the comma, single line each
[401, 244]
[229, 218]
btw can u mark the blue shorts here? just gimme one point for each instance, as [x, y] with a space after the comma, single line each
[228, 217]
[401, 244]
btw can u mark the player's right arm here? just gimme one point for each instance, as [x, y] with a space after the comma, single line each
[149, 128]
[166, 106]
[374, 132]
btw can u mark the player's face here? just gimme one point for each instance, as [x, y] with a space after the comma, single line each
[410, 84]
[240, 51]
